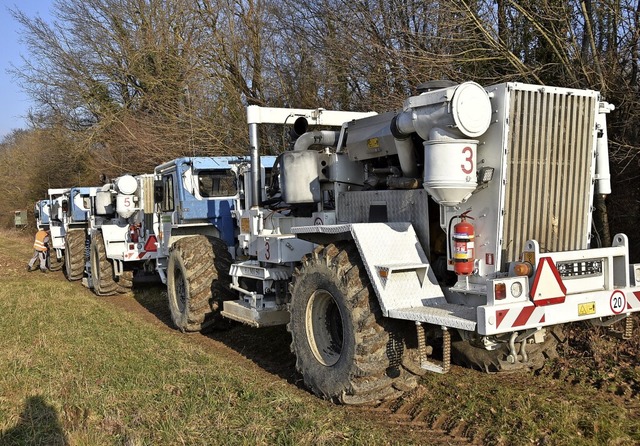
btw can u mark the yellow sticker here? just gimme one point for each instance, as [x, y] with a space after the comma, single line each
[373, 143]
[244, 226]
[586, 309]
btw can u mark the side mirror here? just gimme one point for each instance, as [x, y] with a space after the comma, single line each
[158, 191]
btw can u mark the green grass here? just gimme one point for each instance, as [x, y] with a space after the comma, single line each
[76, 370]
[79, 371]
[523, 409]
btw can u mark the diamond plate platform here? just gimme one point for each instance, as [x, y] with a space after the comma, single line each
[396, 264]
[445, 314]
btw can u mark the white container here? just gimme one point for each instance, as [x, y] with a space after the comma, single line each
[125, 206]
[450, 170]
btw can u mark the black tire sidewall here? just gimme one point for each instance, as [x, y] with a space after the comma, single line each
[335, 379]
[66, 268]
[179, 318]
[95, 265]
[69, 253]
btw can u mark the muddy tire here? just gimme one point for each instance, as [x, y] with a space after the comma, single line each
[125, 281]
[104, 283]
[53, 263]
[74, 250]
[465, 353]
[198, 282]
[345, 350]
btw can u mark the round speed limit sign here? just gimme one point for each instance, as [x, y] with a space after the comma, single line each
[618, 302]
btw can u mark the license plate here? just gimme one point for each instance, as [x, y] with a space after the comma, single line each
[586, 309]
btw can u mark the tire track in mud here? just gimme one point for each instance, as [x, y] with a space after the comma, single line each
[409, 412]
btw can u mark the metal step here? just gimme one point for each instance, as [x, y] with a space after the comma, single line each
[242, 312]
[440, 314]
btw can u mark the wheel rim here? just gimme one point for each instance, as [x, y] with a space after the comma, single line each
[181, 290]
[324, 327]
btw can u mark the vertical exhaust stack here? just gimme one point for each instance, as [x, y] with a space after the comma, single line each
[603, 176]
[253, 117]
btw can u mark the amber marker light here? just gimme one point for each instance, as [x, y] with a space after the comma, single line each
[523, 269]
[500, 291]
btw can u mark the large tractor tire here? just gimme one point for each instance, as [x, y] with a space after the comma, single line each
[54, 263]
[102, 277]
[345, 350]
[125, 281]
[74, 250]
[198, 282]
[465, 353]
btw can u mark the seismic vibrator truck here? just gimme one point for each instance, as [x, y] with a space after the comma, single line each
[121, 234]
[196, 198]
[457, 228]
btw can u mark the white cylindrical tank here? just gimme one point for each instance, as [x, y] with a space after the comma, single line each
[125, 205]
[127, 185]
[450, 170]
[460, 111]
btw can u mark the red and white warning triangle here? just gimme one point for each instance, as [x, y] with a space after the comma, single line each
[547, 288]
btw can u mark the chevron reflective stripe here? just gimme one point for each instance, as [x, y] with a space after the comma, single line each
[517, 317]
[633, 300]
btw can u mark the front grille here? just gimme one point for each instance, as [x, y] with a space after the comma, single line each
[147, 198]
[549, 163]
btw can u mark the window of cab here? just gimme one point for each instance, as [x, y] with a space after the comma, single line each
[217, 183]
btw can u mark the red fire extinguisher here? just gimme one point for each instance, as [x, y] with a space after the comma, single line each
[463, 235]
[134, 234]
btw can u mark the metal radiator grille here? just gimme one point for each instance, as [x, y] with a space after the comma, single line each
[147, 204]
[549, 160]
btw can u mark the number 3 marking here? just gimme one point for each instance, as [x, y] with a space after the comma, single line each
[469, 160]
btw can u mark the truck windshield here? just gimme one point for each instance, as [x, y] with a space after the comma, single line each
[217, 183]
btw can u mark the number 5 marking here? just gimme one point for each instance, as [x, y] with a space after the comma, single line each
[469, 160]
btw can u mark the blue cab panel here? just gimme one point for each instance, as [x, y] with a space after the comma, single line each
[216, 208]
[78, 213]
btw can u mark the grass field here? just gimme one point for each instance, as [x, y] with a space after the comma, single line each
[76, 369]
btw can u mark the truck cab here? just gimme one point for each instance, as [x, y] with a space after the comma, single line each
[197, 203]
